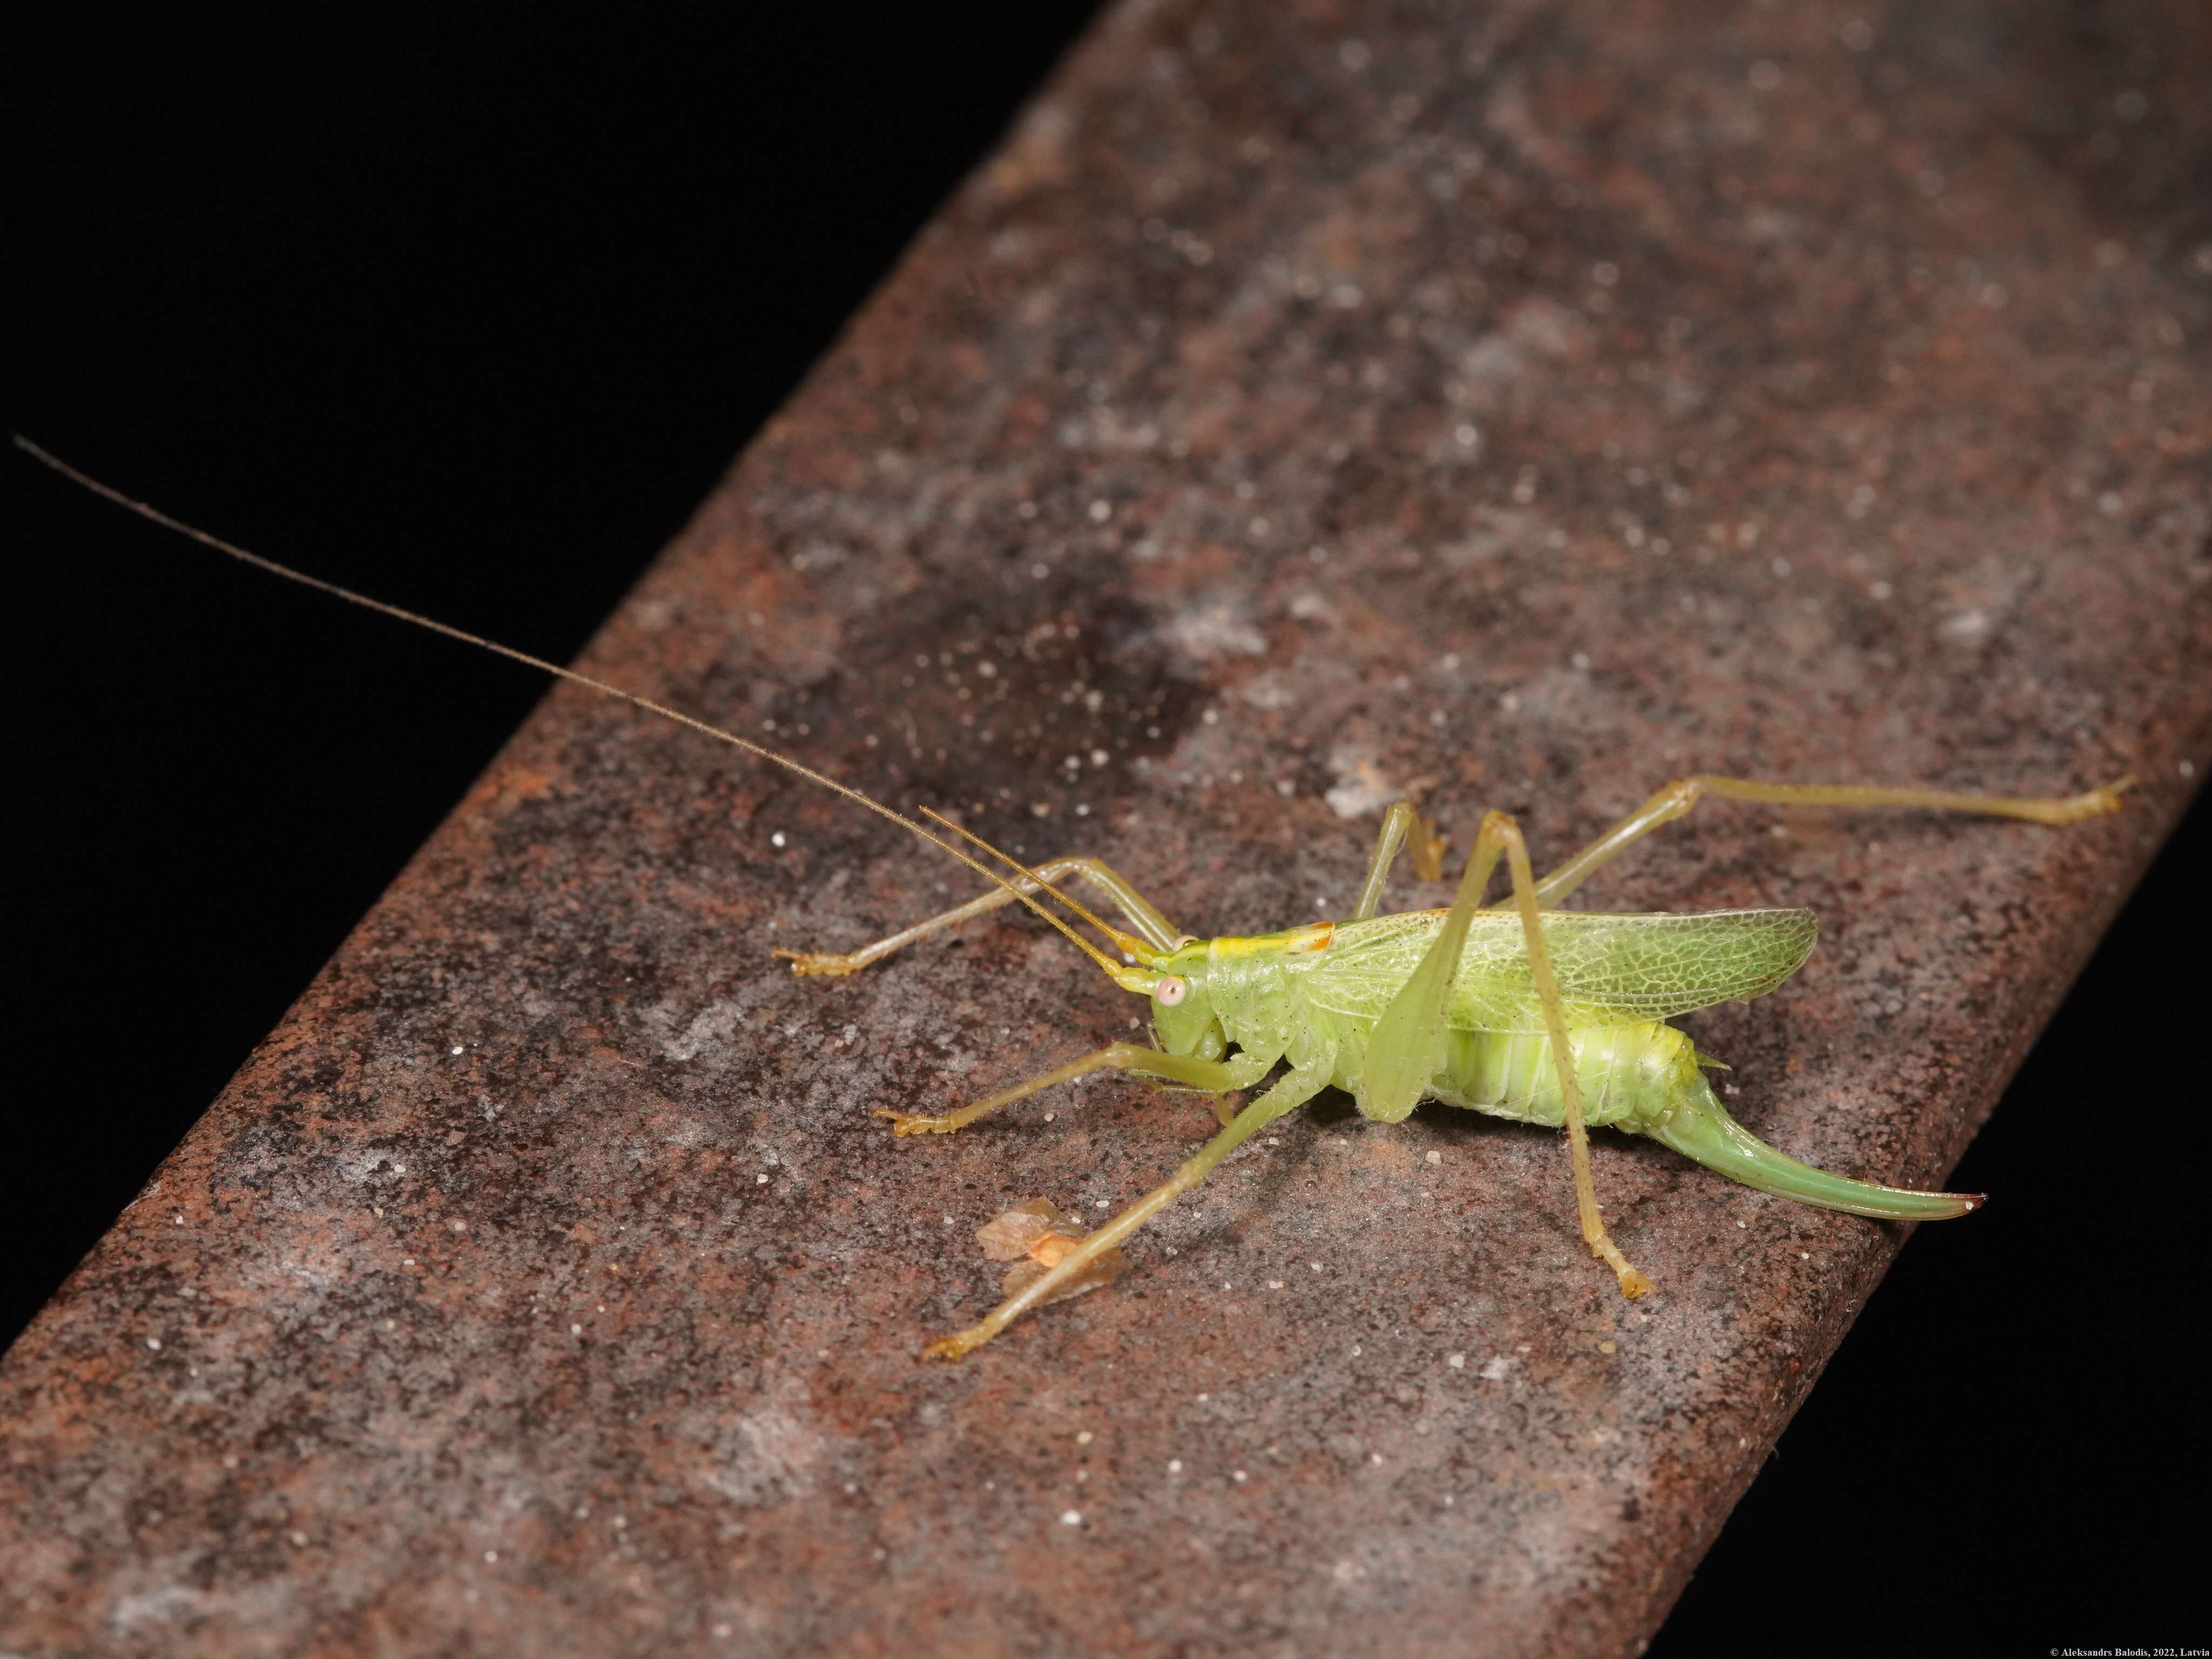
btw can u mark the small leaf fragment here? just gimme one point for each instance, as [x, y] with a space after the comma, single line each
[1036, 1235]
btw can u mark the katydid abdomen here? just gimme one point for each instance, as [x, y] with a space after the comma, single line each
[1644, 1078]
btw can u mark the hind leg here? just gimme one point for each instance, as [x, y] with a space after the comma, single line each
[1677, 797]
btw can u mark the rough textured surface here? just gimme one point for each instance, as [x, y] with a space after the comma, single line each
[1304, 404]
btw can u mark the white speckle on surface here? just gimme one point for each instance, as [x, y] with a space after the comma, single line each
[1070, 1517]
[1494, 1368]
[300, 1539]
[1174, 1466]
[1457, 1362]
[1239, 1476]
[1969, 627]
[491, 1557]
[760, 1181]
[777, 840]
[1376, 1458]
[2188, 770]
[1207, 630]
[1434, 1158]
[155, 1343]
[575, 1330]
[1084, 1438]
[1361, 788]
[1315, 1265]
[1272, 1285]
[457, 1048]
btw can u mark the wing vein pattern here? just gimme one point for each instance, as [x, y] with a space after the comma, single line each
[1613, 969]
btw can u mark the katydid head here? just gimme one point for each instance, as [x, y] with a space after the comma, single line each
[1183, 1017]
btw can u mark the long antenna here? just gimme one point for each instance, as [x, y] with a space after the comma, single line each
[1129, 979]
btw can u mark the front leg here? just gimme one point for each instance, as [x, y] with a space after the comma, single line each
[1153, 927]
[1212, 1077]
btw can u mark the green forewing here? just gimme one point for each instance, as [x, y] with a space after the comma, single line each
[1612, 971]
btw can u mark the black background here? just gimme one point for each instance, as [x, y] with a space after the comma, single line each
[472, 317]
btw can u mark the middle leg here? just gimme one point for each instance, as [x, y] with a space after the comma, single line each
[1500, 831]
[1406, 1042]
[1291, 1091]
[1428, 850]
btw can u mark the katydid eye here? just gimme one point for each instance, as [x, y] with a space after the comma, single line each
[1172, 990]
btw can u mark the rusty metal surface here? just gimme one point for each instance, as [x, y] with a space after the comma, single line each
[1538, 404]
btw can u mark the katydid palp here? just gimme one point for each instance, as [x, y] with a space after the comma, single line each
[1522, 1010]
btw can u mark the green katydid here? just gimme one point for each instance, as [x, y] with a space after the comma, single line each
[1520, 1009]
